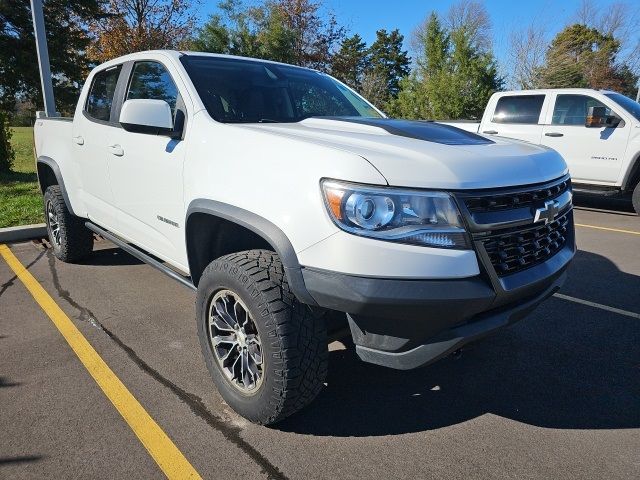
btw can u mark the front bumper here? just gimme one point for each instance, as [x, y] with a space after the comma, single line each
[404, 324]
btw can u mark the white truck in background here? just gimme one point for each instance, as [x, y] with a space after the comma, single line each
[596, 131]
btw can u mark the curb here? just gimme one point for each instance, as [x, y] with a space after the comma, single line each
[22, 233]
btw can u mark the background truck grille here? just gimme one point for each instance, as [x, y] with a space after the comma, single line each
[508, 201]
[522, 248]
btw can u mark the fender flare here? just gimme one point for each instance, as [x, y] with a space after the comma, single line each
[53, 165]
[261, 227]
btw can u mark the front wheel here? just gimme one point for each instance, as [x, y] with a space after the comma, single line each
[267, 352]
[636, 198]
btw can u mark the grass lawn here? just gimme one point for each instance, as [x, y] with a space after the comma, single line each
[20, 198]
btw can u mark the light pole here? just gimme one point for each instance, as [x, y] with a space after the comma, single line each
[43, 59]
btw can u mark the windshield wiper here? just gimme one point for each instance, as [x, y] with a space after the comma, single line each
[268, 120]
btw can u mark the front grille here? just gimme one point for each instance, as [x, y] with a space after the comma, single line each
[509, 200]
[517, 249]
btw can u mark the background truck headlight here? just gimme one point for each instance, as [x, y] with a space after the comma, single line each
[396, 215]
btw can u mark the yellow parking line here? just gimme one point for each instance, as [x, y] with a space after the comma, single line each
[608, 229]
[170, 460]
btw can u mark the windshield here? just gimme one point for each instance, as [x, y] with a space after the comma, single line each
[625, 102]
[245, 91]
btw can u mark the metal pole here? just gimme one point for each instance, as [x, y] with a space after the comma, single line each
[43, 58]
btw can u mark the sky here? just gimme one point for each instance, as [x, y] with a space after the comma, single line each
[366, 16]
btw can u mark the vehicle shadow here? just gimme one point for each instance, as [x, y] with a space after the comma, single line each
[566, 366]
[110, 256]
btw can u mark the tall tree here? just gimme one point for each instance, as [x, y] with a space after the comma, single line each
[389, 61]
[67, 35]
[350, 63]
[454, 77]
[580, 56]
[292, 31]
[432, 43]
[134, 25]
[316, 36]
[258, 31]
[527, 50]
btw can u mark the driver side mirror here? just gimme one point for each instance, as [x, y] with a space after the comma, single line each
[148, 116]
[597, 118]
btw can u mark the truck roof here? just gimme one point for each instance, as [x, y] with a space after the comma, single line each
[553, 90]
[176, 54]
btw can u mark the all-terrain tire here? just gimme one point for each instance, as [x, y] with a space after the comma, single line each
[70, 239]
[292, 335]
[635, 198]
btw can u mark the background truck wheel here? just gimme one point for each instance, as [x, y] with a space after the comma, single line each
[267, 353]
[636, 198]
[70, 239]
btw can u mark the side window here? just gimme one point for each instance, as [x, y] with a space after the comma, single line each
[518, 109]
[100, 97]
[150, 80]
[572, 109]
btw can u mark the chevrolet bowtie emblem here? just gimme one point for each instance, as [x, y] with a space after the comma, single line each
[547, 213]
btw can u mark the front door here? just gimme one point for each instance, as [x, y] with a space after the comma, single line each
[146, 172]
[594, 155]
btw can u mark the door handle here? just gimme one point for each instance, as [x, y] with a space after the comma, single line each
[491, 132]
[116, 150]
[554, 134]
[79, 140]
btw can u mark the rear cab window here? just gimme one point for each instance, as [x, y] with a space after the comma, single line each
[521, 109]
[101, 93]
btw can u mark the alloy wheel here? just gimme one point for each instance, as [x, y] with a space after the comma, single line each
[235, 342]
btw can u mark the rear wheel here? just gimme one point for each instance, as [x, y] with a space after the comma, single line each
[70, 240]
[266, 352]
[636, 198]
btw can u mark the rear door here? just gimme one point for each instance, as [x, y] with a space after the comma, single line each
[515, 116]
[146, 170]
[92, 129]
[594, 155]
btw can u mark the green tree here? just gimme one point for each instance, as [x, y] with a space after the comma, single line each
[291, 31]
[581, 56]
[66, 23]
[389, 61]
[7, 155]
[433, 44]
[454, 77]
[135, 25]
[351, 62]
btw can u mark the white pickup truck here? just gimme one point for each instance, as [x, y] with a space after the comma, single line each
[295, 208]
[597, 132]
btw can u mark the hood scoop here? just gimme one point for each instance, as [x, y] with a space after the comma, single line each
[416, 129]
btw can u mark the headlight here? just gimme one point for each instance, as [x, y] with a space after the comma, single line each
[396, 215]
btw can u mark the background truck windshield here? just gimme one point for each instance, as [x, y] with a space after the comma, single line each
[246, 91]
[629, 105]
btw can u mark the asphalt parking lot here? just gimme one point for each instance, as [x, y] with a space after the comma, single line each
[555, 396]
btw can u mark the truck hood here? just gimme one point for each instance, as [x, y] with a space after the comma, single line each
[428, 155]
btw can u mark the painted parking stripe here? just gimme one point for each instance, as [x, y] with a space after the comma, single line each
[632, 232]
[170, 460]
[619, 311]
